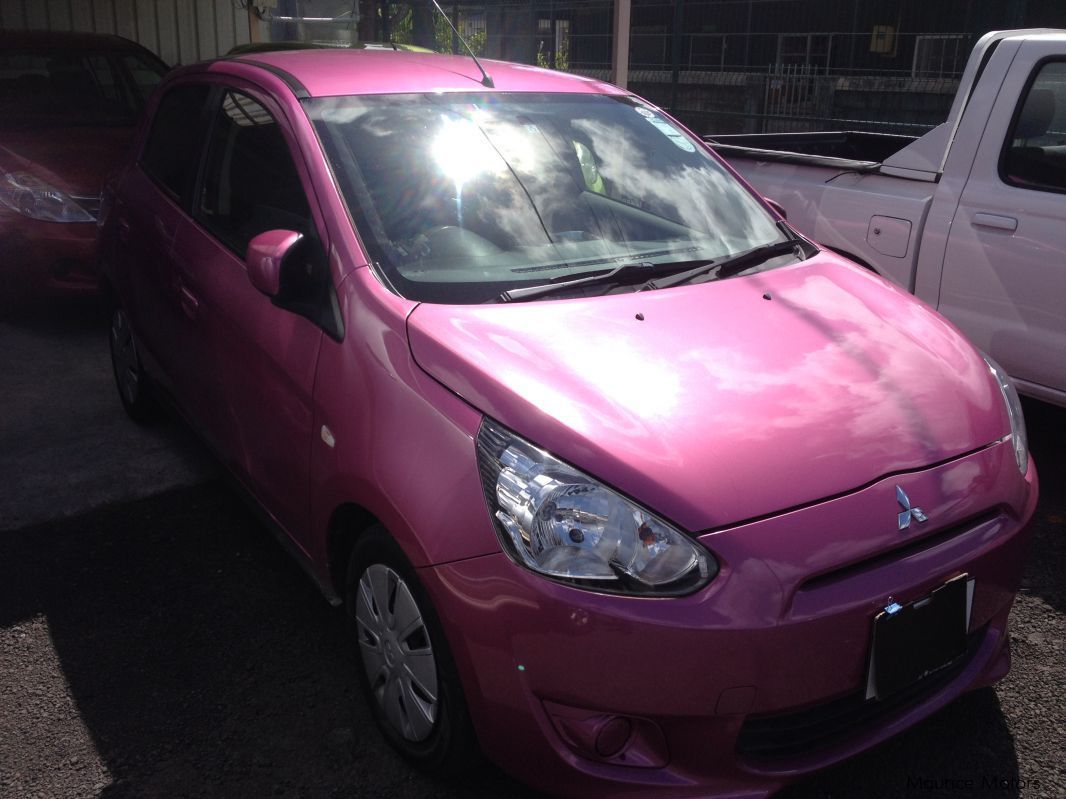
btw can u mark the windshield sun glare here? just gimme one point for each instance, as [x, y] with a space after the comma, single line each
[461, 197]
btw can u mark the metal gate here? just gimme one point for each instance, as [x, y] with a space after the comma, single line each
[789, 97]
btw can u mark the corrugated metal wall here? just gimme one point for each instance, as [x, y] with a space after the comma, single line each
[179, 31]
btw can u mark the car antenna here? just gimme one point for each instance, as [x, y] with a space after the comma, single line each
[486, 80]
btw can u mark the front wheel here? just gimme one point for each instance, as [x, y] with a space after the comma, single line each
[407, 671]
[132, 382]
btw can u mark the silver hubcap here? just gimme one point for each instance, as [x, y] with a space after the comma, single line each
[397, 653]
[124, 356]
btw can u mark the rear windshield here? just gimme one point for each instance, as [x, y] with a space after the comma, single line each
[459, 197]
[50, 88]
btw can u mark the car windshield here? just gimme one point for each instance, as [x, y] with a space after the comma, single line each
[50, 88]
[460, 197]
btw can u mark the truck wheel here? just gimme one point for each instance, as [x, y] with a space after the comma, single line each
[133, 387]
[407, 673]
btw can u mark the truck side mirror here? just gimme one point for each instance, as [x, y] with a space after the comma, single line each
[266, 252]
[778, 208]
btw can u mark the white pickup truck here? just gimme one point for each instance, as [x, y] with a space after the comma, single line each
[970, 217]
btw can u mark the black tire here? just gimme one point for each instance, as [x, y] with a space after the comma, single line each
[134, 387]
[446, 744]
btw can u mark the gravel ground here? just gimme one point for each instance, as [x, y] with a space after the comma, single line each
[168, 647]
[65, 443]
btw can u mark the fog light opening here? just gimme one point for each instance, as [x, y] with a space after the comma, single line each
[629, 741]
[613, 736]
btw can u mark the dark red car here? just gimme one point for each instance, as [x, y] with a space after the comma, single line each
[68, 105]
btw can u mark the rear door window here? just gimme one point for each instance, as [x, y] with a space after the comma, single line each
[53, 88]
[251, 184]
[145, 75]
[172, 152]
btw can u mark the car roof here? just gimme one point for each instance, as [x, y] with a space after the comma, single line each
[66, 40]
[332, 72]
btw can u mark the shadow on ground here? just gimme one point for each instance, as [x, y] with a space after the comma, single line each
[967, 750]
[202, 662]
[200, 659]
[65, 443]
[1047, 443]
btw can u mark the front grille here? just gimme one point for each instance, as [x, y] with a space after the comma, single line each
[898, 553]
[90, 204]
[778, 737]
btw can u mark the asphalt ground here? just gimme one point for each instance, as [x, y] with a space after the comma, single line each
[155, 641]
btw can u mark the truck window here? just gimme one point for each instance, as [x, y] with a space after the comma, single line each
[1035, 151]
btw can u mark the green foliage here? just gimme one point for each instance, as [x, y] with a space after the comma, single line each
[402, 28]
[562, 56]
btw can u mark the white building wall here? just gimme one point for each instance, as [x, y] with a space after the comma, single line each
[178, 31]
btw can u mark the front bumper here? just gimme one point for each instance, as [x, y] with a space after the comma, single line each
[781, 635]
[54, 255]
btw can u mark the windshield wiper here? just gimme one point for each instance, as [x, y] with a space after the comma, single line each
[639, 269]
[689, 270]
[727, 267]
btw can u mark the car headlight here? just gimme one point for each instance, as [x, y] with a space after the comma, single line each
[1014, 412]
[565, 525]
[30, 196]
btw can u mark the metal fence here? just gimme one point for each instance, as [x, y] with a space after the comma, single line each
[725, 66]
[721, 66]
[745, 65]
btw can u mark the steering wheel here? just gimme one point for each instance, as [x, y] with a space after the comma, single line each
[451, 241]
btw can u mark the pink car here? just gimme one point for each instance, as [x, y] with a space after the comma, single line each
[622, 481]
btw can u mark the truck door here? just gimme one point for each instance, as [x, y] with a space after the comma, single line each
[1004, 278]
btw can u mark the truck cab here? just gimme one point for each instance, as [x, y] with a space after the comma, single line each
[969, 217]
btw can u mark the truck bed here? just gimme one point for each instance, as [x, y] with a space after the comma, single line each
[852, 150]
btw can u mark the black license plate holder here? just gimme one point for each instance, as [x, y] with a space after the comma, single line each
[912, 641]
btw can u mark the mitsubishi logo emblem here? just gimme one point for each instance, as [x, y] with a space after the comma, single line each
[908, 511]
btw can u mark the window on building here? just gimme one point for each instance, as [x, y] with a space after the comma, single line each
[810, 50]
[707, 50]
[940, 56]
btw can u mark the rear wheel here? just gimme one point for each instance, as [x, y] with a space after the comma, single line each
[133, 387]
[407, 671]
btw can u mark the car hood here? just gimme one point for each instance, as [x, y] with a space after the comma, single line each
[724, 401]
[76, 160]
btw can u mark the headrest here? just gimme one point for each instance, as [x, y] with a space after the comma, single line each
[1036, 115]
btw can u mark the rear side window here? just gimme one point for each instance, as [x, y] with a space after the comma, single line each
[251, 184]
[53, 88]
[172, 153]
[1035, 152]
[144, 74]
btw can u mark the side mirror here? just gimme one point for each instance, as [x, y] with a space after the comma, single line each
[266, 252]
[778, 208]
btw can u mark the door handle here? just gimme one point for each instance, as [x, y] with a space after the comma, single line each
[189, 303]
[1007, 224]
[123, 229]
[161, 226]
